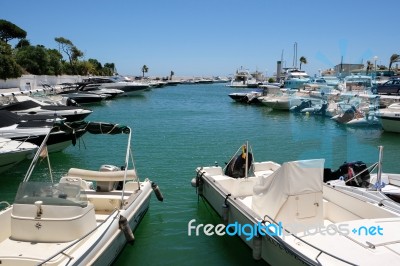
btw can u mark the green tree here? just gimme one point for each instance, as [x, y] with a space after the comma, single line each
[22, 43]
[8, 67]
[9, 31]
[97, 68]
[393, 58]
[303, 60]
[55, 65]
[109, 69]
[84, 68]
[72, 52]
[34, 59]
[145, 69]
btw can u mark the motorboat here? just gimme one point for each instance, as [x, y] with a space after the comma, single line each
[331, 81]
[12, 152]
[34, 128]
[96, 88]
[295, 78]
[86, 97]
[249, 97]
[243, 79]
[27, 105]
[356, 84]
[316, 108]
[359, 114]
[390, 118]
[85, 218]
[128, 86]
[367, 181]
[284, 101]
[287, 215]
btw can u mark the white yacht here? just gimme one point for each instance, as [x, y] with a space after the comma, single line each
[124, 84]
[295, 78]
[243, 79]
[27, 105]
[356, 84]
[12, 152]
[33, 129]
[390, 118]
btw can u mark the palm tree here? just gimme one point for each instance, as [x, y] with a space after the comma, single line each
[393, 58]
[145, 69]
[303, 60]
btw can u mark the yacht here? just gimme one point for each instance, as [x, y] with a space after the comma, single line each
[27, 105]
[295, 78]
[243, 79]
[128, 86]
[34, 128]
[390, 117]
[12, 152]
[356, 84]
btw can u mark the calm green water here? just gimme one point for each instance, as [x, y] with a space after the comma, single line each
[176, 129]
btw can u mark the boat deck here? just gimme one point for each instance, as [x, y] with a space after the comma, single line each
[12, 251]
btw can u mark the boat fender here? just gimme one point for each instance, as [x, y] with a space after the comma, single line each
[257, 242]
[199, 182]
[225, 210]
[157, 191]
[193, 182]
[225, 213]
[124, 226]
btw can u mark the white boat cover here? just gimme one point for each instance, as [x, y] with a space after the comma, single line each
[292, 178]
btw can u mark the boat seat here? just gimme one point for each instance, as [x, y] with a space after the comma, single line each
[104, 204]
[131, 186]
[105, 180]
[57, 223]
[102, 176]
[76, 181]
[240, 187]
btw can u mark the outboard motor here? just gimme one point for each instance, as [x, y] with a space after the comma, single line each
[322, 110]
[106, 186]
[347, 171]
[236, 167]
[301, 106]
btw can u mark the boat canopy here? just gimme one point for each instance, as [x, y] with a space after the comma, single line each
[292, 178]
[93, 127]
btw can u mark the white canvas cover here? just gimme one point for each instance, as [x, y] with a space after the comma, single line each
[292, 178]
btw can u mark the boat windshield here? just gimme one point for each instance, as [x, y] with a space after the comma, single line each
[62, 194]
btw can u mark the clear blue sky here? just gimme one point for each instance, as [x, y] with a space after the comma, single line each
[213, 37]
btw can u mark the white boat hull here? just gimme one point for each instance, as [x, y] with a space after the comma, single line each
[7, 161]
[256, 200]
[106, 251]
[13, 152]
[272, 250]
[390, 124]
[101, 247]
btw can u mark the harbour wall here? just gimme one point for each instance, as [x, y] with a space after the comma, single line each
[33, 82]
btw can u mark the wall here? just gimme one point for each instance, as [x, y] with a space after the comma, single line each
[26, 82]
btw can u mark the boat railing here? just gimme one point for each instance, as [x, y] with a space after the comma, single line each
[320, 251]
[7, 205]
[62, 251]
